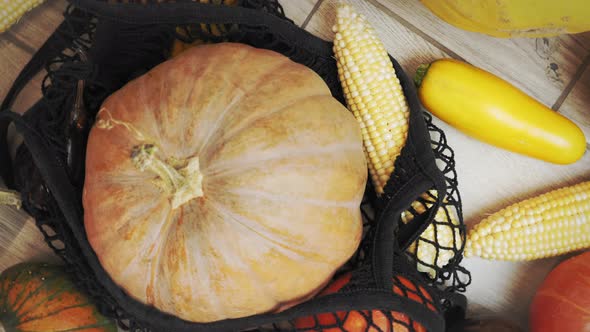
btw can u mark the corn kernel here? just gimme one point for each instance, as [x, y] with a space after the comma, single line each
[551, 224]
[369, 81]
[12, 10]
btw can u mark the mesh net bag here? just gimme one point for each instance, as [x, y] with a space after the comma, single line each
[406, 274]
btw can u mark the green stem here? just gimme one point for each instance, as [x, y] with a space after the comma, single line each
[421, 73]
[182, 184]
[10, 197]
[144, 157]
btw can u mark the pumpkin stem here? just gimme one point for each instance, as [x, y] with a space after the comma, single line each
[181, 179]
[10, 197]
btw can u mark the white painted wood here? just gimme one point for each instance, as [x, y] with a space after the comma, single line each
[526, 62]
[298, 10]
[489, 178]
[20, 240]
[541, 67]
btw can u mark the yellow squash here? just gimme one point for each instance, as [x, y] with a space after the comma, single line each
[515, 18]
[492, 110]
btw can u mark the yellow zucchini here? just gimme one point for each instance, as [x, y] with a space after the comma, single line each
[514, 18]
[488, 108]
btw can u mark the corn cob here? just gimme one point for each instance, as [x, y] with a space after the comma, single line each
[374, 95]
[12, 10]
[548, 225]
[372, 91]
[444, 231]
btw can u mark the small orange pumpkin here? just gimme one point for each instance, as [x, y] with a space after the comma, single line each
[562, 302]
[356, 321]
[41, 297]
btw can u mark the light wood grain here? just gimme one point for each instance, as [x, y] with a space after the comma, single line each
[505, 289]
[20, 42]
[409, 49]
[489, 178]
[34, 29]
[37, 25]
[20, 240]
[12, 60]
[577, 104]
[583, 38]
[298, 10]
[541, 67]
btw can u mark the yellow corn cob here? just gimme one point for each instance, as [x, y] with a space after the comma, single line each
[374, 95]
[12, 10]
[372, 91]
[548, 225]
[448, 243]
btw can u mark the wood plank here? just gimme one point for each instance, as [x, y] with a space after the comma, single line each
[18, 45]
[37, 25]
[489, 178]
[41, 22]
[583, 38]
[541, 67]
[32, 31]
[21, 240]
[299, 10]
[408, 48]
[577, 104]
[30, 94]
[508, 291]
[12, 59]
[411, 50]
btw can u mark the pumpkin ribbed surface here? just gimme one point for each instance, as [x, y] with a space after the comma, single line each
[42, 298]
[223, 183]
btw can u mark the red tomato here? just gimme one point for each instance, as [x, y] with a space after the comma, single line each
[562, 303]
[356, 321]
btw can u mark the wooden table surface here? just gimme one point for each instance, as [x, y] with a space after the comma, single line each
[553, 70]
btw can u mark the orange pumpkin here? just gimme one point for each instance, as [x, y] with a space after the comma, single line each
[562, 302]
[356, 321]
[41, 297]
[223, 183]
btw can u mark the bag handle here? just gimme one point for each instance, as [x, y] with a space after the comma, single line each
[54, 173]
[389, 234]
[55, 43]
[190, 12]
